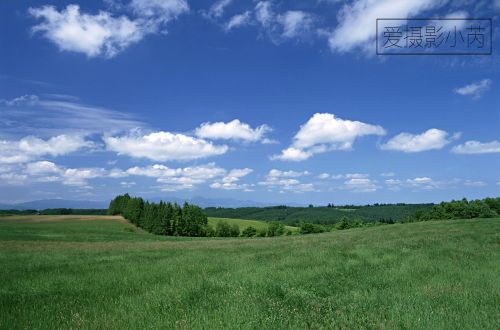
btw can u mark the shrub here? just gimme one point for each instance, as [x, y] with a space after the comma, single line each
[275, 228]
[262, 232]
[222, 229]
[310, 228]
[342, 224]
[235, 230]
[209, 231]
[249, 232]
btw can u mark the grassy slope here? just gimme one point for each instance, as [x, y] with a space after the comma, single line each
[245, 223]
[97, 274]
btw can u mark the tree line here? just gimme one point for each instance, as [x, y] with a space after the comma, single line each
[169, 219]
[462, 209]
[161, 218]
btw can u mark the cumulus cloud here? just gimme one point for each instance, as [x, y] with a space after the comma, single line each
[103, 34]
[93, 35]
[230, 181]
[323, 176]
[356, 28]
[163, 146]
[31, 147]
[187, 178]
[274, 173]
[286, 181]
[421, 183]
[292, 154]
[476, 147]
[324, 132]
[475, 89]
[360, 185]
[45, 171]
[233, 130]
[431, 139]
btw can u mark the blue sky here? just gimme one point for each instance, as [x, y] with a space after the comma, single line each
[269, 101]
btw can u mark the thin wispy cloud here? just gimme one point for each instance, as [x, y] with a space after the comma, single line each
[475, 90]
[50, 116]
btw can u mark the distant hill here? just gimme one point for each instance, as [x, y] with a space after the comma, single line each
[323, 215]
[55, 203]
[73, 204]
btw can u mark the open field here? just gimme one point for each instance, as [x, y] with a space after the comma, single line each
[246, 223]
[100, 272]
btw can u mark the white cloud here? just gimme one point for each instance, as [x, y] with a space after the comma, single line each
[233, 130]
[323, 176]
[42, 168]
[264, 13]
[291, 24]
[476, 147]
[287, 181]
[218, 8]
[93, 35]
[45, 171]
[103, 34]
[387, 174]
[127, 184]
[475, 89]
[30, 147]
[187, 178]
[426, 183]
[164, 10]
[292, 154]
[356, 28]
[237, 21]
[79, 176]
[472, 183]
[324, 132]
[431, 139]
[13, 179]
[163, 146]
[230, 181]
[360, 185]
[295, 23]
[419, 180]
[421, 183]
[55, 116]
[274, 173]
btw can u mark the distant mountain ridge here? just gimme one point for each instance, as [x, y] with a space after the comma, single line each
[74, 204]
[55, 203]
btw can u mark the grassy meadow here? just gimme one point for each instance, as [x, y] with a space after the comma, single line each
[243, 224]
[101, 272]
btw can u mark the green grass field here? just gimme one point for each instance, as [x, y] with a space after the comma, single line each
[247, 223]
[100, 272]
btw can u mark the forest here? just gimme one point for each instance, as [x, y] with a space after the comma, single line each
[169, 219]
